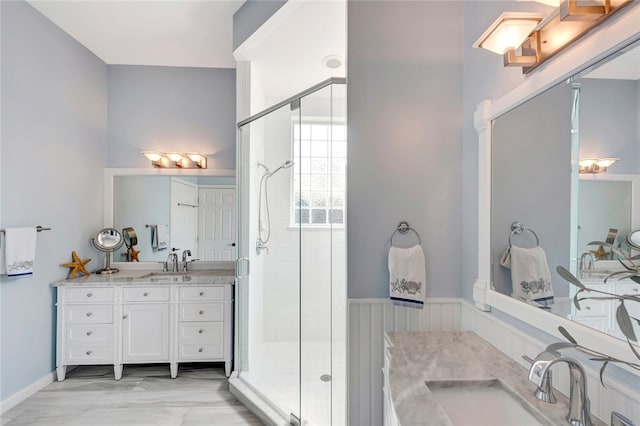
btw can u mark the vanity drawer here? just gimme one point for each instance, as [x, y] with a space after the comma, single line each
[89, 314]
[89, 353]
[146, 294]
[201, 312]
[201, 332]
[201, 293]
[96, 333]
[89, 294]
[592, 308]
[212, 351]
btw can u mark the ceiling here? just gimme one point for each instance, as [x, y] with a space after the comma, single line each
[185, 33]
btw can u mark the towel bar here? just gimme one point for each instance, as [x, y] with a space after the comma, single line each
[403, 227]
[38, 228]
[519, 228]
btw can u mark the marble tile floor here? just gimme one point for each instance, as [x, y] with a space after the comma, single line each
[145, 396]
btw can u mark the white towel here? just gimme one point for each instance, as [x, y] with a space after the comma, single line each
[407, 286]
[530, 276]
[18, 254]
[159, 237]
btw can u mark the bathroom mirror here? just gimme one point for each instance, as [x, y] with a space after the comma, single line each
[535, 150]
[607, 107]
[148, 199]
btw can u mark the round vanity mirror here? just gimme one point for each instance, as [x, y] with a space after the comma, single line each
[633, 239]
[108, 240]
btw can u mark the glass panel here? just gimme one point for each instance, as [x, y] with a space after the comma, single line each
[268, 304]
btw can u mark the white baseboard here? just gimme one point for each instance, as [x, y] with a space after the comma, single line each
[21, 395]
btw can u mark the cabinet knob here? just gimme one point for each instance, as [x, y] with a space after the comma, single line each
[89, 314]
[89, 294]
[200, 350]
[89, 333]
[588, 308]
[201, 312]
[635, 289]
[202, 293]
[88, 352]
[200, 331]
[125, 316]
[145, 294]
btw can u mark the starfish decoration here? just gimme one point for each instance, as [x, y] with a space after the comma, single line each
[134, 255]
[77, 265]
[601, 253]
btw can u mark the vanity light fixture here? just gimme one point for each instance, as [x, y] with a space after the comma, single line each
[547, 37]
[595, 165]
[168, 160]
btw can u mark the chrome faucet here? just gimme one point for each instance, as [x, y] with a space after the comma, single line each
[185, 260]
[579, 404]
[173, 258]
[586, 262]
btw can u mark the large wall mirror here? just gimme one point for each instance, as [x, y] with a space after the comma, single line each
[173, 213]
[543, 212]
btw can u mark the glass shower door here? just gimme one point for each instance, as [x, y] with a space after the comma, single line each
[291, 307]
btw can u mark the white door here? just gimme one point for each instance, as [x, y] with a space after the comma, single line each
[217, 224]
[184, 215]
[145, 332]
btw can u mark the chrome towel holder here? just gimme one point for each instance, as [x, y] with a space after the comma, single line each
[403, 227]
[518, 228]
[38, 228]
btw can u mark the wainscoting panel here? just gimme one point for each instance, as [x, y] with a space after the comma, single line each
[369, 319]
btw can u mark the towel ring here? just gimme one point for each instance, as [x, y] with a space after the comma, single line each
[518, 228]
[403, 228]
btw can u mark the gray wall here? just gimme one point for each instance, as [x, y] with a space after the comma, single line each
[531, 182]
[54, 120]
[405, 134]
[251, 15]
[609, 122]
[171, 109]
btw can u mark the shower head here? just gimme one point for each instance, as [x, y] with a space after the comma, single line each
[284, 165]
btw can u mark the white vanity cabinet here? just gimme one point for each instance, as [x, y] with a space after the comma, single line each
[135, 323]
[145, 324]
[86, 326]
[202, 315]
[594, 313]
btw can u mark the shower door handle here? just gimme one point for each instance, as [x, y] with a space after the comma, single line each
[239, 262]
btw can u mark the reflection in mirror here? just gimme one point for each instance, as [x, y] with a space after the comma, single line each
[195, 213]
[536, 148]
[531, 183]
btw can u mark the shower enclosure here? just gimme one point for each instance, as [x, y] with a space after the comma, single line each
[291, 286]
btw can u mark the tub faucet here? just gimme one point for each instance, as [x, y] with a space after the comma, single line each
[173, 258]
[185, 260]
[579, 404]
[586, 262]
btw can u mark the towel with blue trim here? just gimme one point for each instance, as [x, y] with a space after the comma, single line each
[407, 286]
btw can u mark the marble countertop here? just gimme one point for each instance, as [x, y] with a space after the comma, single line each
[154, 277]
[420, 357]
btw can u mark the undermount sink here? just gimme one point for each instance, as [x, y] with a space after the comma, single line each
[484, 403]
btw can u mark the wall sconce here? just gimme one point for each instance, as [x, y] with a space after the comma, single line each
[595, 165]
[176, 160]
[549, 36]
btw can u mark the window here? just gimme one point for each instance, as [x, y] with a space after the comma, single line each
[319, 186]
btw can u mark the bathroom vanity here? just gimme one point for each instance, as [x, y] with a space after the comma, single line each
[457, 378]
[137, 317]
